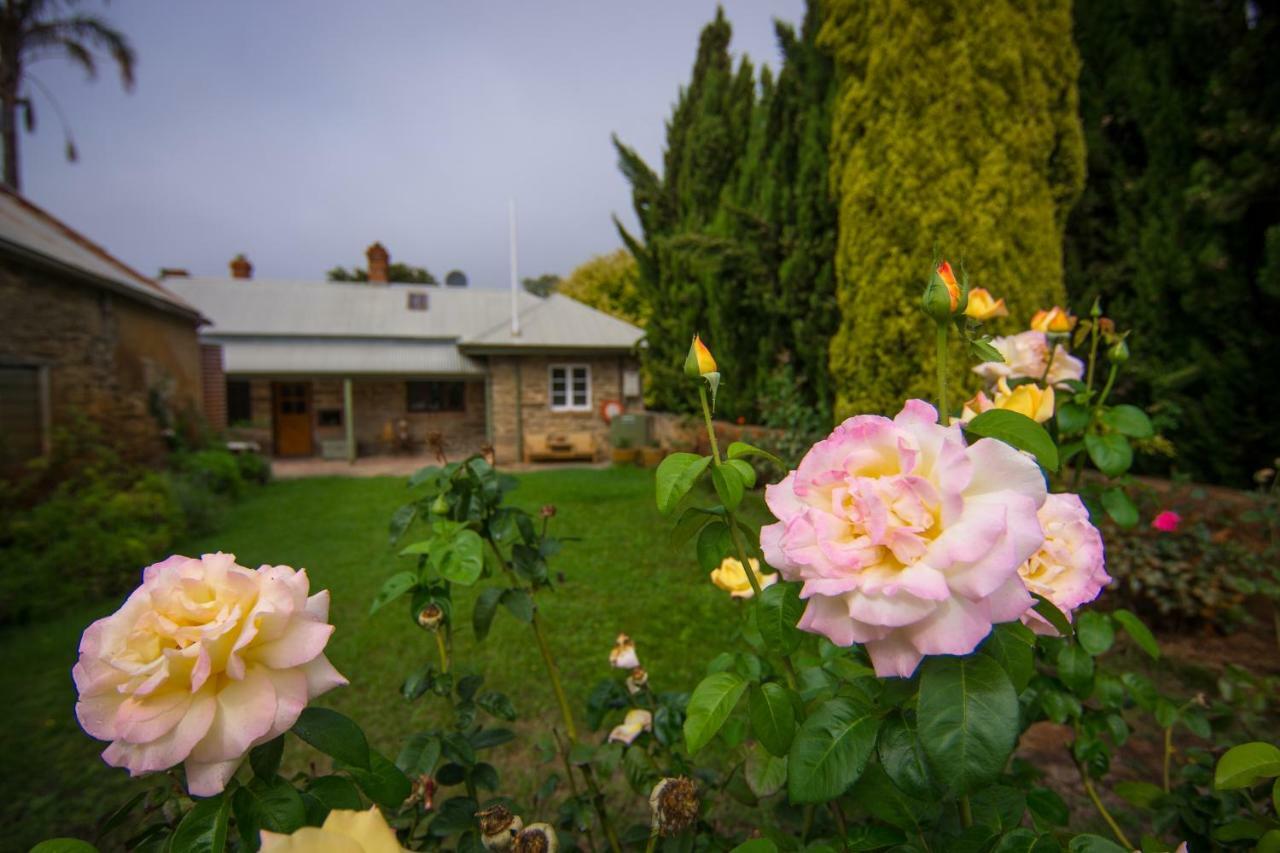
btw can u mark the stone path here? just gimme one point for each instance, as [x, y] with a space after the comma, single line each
[387, 466]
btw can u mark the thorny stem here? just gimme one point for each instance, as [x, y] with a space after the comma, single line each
[1048, 364]
[1168, 755]
[966, 813]
[1102, 809]
[944, 412]
[597, 800]
[573, 784]
[839, 816]
[1088, 388]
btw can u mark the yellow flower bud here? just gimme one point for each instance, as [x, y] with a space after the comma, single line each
[1054, 321]
[731, 577]
[1029, 399]
[982, 307]
[699, 362]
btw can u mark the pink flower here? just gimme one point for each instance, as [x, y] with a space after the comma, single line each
[906, 539]
[1070, 568]
[204, 661]
[1167, 521]
[1024, 358]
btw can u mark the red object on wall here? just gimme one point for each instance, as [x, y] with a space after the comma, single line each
[610, 409]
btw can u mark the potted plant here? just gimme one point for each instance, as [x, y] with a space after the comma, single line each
[650, 456]
[624, 453]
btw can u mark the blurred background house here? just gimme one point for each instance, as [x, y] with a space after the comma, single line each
[343, 369]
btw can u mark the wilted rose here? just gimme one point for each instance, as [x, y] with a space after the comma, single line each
[623, 655]
[636, 723]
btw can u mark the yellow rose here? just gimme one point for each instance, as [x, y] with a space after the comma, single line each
[343, 832]
[730, 577]
[1056, 320]
[1029, 399]
[982, 307]
[699, 362]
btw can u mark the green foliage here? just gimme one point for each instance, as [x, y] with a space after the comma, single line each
[1177, 228]
[738, 233]
[609, 283]
[954, 131]
[396, 272]
[543, 285]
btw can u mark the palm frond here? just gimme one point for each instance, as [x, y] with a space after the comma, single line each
[86, 33]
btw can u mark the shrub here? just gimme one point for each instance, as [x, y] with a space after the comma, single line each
[215, 470]
[254, 468]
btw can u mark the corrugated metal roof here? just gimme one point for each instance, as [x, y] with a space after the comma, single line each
[343, 357]
[28, 231]
[474, 318]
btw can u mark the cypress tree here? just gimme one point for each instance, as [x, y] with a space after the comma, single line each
[955, 127]
[1179, 227]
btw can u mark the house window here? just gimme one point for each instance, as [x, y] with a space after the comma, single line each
[570, 388]
[435, 396]
[239, 402]
[22, 413]
[417, 301]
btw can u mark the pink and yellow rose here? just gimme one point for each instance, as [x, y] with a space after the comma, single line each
[1069, 569]
[1028, 399]
[905, 538]
[205, 660]
[1024, 357]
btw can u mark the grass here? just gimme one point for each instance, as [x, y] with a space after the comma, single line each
[622, 576]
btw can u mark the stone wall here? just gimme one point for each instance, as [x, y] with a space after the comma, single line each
[530, 412]
[107, 355]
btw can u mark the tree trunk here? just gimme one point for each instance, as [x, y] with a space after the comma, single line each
[9, 139]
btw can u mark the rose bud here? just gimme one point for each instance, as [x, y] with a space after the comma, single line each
[624, 654]
[548, 510]
[982, 307]
[699, 362]
[430, 616]
[637, 680]
[498, 827]
[942, 296]
[674, 803]
[1119, 352]
[1055, 321]
[424, 791]
[536, 838]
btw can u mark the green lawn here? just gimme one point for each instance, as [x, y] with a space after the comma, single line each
[622, 576]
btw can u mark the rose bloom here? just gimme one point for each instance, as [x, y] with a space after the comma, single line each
[1070, 568]
[205, 660]
[343, 831]
[1024, 357]
[637, 721]
[982, 307]
[1029, 399]
[731, 577]
[906, 539]
[1167, 522]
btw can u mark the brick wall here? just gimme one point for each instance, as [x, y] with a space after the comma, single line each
[534, 405]
[213, 384]
[107, 355]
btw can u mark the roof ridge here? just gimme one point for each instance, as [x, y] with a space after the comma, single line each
[84, 242]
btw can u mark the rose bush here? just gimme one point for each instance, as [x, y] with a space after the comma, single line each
[205, 660]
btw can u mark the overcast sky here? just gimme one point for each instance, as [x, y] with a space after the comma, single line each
[300, 132]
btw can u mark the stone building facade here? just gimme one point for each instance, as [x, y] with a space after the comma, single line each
[83, 335]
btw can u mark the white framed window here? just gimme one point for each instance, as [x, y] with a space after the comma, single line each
[570, 389]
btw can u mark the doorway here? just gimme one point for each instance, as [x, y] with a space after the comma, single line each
[291, 418]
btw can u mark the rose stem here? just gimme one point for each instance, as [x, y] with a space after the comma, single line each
[943, 412]
[1102, 809]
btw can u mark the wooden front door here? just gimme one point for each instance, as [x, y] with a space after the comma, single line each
[292, 418]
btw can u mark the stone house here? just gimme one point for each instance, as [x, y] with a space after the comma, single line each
[83, 334]
[346, 369]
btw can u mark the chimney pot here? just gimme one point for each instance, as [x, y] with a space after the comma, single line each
[241, 268]
[378, 262]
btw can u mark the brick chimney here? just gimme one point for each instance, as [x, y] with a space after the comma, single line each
[241, 268]
[378, 258]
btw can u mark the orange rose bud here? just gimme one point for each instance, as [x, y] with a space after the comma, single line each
[949, 279]
[1054, 321]
[699, 362]
[982, 307]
